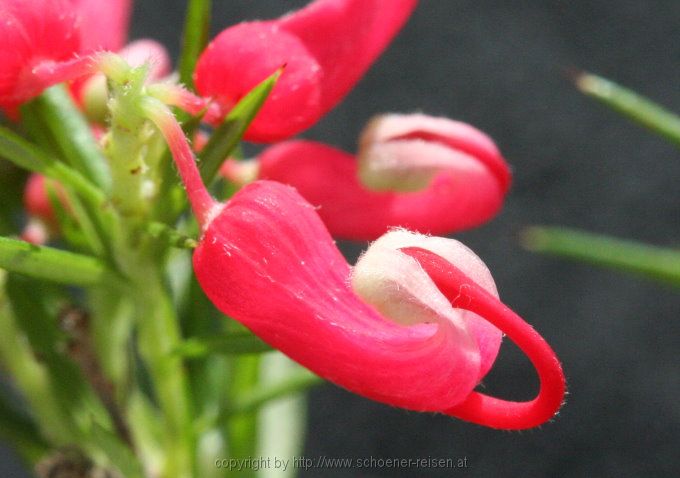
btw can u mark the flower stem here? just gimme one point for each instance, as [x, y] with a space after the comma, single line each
[202, 203]
[159, 336]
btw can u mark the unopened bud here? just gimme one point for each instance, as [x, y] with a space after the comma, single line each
[405, 152]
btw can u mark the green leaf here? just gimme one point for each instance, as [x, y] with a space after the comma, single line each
[28, 156]
[228, 135]
[11, 191]
[97, 220]
[71, 133]
[630, 104]
[51, 264]
[37, 306]
[117, 453]
[196, 30]
[234, 343]
[660, 264]
[18, 429]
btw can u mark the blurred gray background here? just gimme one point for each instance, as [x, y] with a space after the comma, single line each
[502, 66]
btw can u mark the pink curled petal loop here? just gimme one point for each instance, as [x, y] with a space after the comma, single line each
[483, 409]
[466, 195]
[291, 288]
[326, 48]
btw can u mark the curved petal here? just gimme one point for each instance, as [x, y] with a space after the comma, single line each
[478, 407]
[466, 195]
[291, 287]
[326, 47]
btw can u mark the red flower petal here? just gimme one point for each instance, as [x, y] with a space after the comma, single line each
[326, 47]
[268, 261]
[33, 32]
[104, 24]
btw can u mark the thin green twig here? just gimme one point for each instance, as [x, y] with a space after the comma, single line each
[629, 103]
[657, 263]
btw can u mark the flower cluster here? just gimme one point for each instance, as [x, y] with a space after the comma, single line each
[417, 322]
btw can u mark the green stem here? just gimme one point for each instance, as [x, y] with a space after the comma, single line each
[242, 429]
[656, 263]
[159, 336]
[286, 417]
[170, 236]
[630, 104]
[234, 343]
[196, 30]
[256, 398]
[111, 330]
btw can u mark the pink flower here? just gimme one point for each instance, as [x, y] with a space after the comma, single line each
[326, 47]
[416, 324]
[46, 42]
[426, 174]
[104, 24]
[37, 36]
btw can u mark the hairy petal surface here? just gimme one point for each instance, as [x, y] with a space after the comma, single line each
[397, 286]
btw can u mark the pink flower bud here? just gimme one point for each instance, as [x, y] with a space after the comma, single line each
[37, 199]
[36, 232]
[405, 152]
[326, 47]
[425, 174]
[147, 51]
